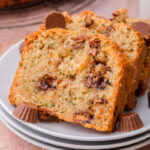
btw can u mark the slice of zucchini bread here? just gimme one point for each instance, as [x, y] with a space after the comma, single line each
[142, 26]
[87, 23]
[80, 79]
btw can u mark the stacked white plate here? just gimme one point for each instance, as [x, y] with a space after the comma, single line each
[53, 135]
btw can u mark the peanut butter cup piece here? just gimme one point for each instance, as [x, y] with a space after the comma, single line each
[27, 112]
[54, 20]
[130, 122]
[143, 28]
[22, 45]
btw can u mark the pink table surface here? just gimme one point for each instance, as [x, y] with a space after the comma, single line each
[8, 140]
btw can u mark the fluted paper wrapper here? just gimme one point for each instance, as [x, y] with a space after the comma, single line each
[130, 122]
[26, 112]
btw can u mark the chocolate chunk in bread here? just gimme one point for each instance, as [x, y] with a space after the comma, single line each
[80, 42]
[46, 82]
[82, 117]
[88, 21]
[108, 30]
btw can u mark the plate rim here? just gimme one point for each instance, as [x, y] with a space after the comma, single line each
[26, 137]
[44, 145]
[25, 130]
[62, 135]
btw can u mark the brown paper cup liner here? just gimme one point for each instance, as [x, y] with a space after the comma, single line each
[130, 122]
[26, 112]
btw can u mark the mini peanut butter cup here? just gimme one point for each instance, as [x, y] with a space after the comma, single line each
[27, 112]
[129, 122]
[54, 20]
[143, 28]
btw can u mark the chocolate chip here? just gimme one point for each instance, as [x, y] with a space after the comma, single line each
[46, 83]
[22, 45]
[108, 30]
[148, 96]
[54, 20]
[81, 39]
[103, 101]
[101, 84]
[79, 42]
[108, 83]
[93, 51]
[143, 28]
[82, 117]
[147, 42]
[78, 46]
[98, 82]
[115, 14]
[43, 85]
[95, 43]
[108, 69]
[97, 100]
[99, 62]
[72, 77]
[88, 21]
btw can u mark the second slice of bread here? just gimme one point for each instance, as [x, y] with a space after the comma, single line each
[87, 23]
[123, 17]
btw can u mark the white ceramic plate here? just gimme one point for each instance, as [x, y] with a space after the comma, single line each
[8, 65]
[72, 144]
[48, 146]
[29, 139]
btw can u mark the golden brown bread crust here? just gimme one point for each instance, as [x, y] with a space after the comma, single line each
[6, 3]
[120, 93]
[122, 16]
